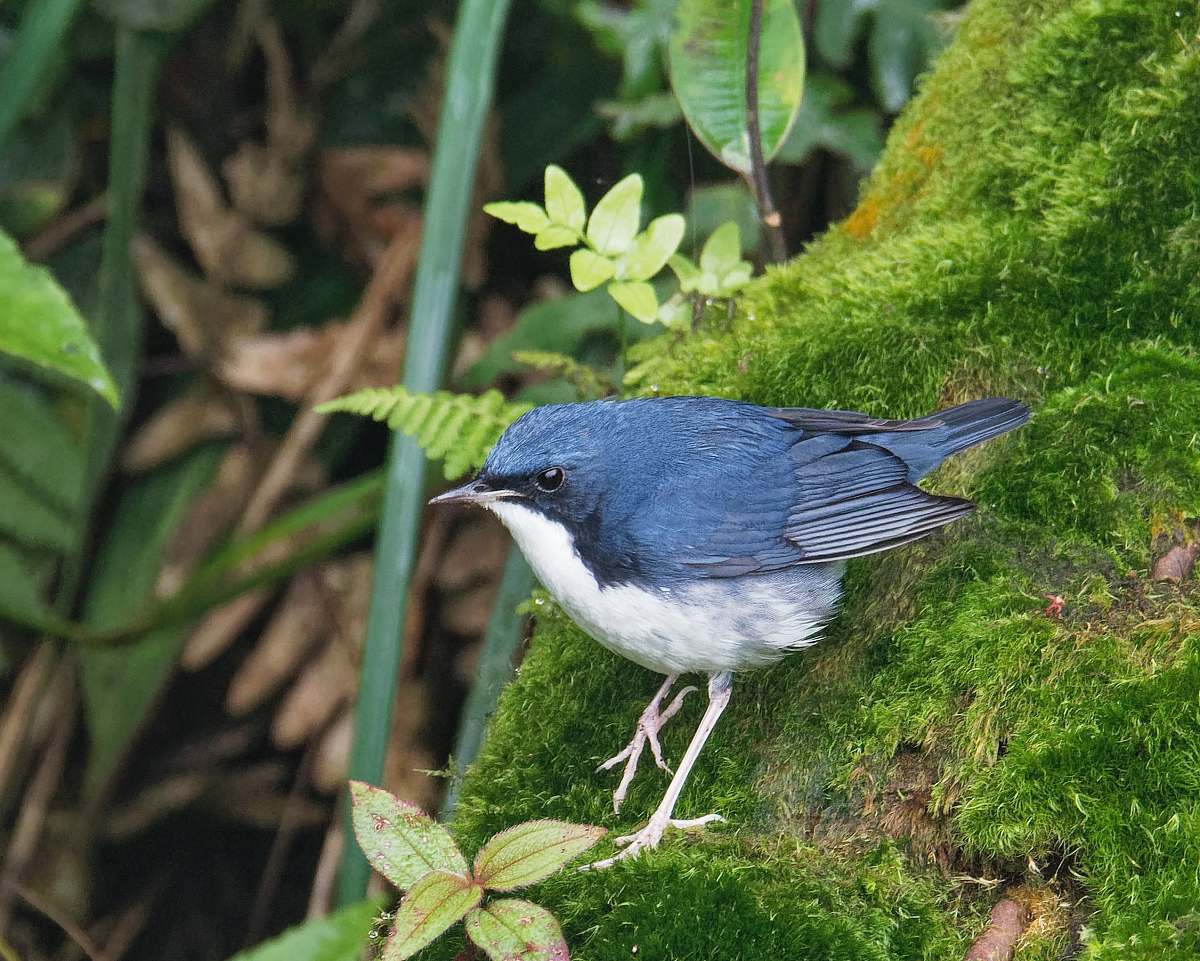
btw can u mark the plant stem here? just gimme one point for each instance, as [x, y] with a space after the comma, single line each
[37, 43]
[469, 80]
[776, 246]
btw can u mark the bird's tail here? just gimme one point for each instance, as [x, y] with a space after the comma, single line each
[976, 421]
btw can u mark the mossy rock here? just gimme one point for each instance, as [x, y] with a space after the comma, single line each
[1033, 229]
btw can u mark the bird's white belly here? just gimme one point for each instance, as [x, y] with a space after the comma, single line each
[717, 624]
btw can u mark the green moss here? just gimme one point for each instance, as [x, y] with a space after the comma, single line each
[1033, 229]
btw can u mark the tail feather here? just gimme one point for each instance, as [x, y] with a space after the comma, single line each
[978, 420]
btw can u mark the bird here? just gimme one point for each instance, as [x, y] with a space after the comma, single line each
[706, 535]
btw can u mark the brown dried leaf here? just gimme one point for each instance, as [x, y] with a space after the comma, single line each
[203, 412]
[257, 795]
[999, 939]
[1177, 563]
[466, 612]
[263, 185]
[152, 802]
[475, 553]
[212, 514]
[292, 363]
[298, 621]
[203, 318]
[291, 127]
[229, 249]
[332, 759]
[355, 184]
[324, 686]
[221, 627]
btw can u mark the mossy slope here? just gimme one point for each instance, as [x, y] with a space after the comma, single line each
[1033, 229]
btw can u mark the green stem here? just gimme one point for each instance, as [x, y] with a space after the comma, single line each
[37, 43]
[465, 103]
[504, 632]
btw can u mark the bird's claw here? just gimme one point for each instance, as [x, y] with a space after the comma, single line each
[648, 726]
[649, 837]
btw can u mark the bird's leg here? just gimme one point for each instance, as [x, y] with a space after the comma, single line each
[719, 687]
[647, 729]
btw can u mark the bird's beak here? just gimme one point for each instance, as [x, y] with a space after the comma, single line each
[473, 492]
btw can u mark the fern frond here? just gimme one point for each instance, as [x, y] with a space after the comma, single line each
[587, 381]
[457, 429]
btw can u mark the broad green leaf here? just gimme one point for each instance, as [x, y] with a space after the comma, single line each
[837, 25]
[722, 250]
[630, 118]
[565, 325]
[712, 205]
[39, 324]
[400, 841]
[653, 247]
[38, 448]
[121, 683]
[734, 278]
[25, 516]
[432, 904]
[337, 937]
[522, 214]
[529, 852]
[614, 222]
[687, 272]
[564, 202]
[589, 270]
[167, 16]
[635, 32]
[553, 237]
[903, 38]
[637, 297]
[708, 74]
[21, 597]
[828, 119]
[516, 930]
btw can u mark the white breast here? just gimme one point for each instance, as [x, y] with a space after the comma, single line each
[715, 625]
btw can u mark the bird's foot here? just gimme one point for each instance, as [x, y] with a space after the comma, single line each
[649, 837]
[648, 726]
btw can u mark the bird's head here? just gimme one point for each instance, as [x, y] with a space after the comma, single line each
[555, 460]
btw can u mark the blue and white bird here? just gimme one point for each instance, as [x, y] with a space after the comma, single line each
[697, 534]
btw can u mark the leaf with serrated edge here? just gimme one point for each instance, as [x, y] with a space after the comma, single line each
[637, 297]
[515, 930]
[553, 237]
[564, 202]
[400, 841]
[525, 216]
[589, 270]
[614, 222]
[723, 249]
[653, 247]
[432, 904]
[529, 852]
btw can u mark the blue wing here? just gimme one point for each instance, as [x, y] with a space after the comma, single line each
[831, 497]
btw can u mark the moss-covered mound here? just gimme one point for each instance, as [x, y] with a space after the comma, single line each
[1033, 229]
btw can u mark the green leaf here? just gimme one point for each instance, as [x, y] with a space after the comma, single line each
[722, 250]
[687, 272]
[828, 120]
[166, 16]
[614, 222]
[653, 247]
[838, 24]
[26, 517]
[20, 594]
[630, 118]
[564, 202]
[432, 904]
[121, 683]
[38, 171]
[38, 448]
[515, 930]
[39, 324]
[637, 297]
[903, 38]
[708, 74]
[553, 237]
[337, 937]
[526, 216]
[589, 270]
[565, 325]
[712, 205]
[400, 841]
[530, 852]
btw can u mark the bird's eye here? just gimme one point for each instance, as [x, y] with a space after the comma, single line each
[550, 479]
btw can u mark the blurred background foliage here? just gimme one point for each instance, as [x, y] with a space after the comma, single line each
[231, 193]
